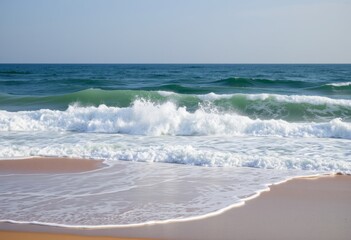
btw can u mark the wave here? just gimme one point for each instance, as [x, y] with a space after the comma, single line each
[334, 88]
[260, 82]
[190, 155]
[88, 97]
[177, 88]
[256, 106]
[329, 88]
[341, 84]
[148, 118]
[286, 107]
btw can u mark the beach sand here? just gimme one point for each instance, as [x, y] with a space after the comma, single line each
[48, 165]
[47, 236]
[303, 208]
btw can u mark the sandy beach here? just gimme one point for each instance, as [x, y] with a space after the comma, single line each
[48, 165]
[302, 208]
[48, 236]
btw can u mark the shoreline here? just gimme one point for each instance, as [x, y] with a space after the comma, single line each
[325, 186]
[179, 220]
[54, 165]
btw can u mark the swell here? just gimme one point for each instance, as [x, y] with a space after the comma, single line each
[334, 88]
[290, 108]
[177, 88]
[247, 83]
[260, 82]
[88, 97]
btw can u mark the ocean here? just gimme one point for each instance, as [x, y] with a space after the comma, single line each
[179, 141]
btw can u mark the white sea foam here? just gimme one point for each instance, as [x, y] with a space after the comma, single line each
[166, 93]
[146, 118]
[341, 84]
[314, 100]
[330, 155]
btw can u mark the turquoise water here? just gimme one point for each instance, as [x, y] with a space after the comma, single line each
[225, 131]
[34, 87]
[49, 80]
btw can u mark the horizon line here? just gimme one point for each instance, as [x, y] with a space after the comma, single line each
[176, 63]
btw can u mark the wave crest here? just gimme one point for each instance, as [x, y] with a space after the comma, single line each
[263, 106]
[147, 118]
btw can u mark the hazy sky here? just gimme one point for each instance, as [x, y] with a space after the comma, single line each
[175, 31]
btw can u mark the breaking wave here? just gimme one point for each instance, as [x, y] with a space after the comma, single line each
[148, 118]
[256, 106]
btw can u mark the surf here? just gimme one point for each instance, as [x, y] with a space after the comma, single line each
[291, 108]
[166, 119]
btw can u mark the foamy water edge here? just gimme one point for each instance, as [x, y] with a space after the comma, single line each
[187, 219]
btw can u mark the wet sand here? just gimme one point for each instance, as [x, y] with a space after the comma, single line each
[48, 165]
[47, 236]
[303, 208]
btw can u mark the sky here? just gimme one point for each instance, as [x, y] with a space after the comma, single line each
[175, 31]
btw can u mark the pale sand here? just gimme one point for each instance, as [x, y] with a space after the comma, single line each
[306, 208]
[48, 165]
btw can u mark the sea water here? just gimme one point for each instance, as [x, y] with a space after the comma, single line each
[178, 141]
